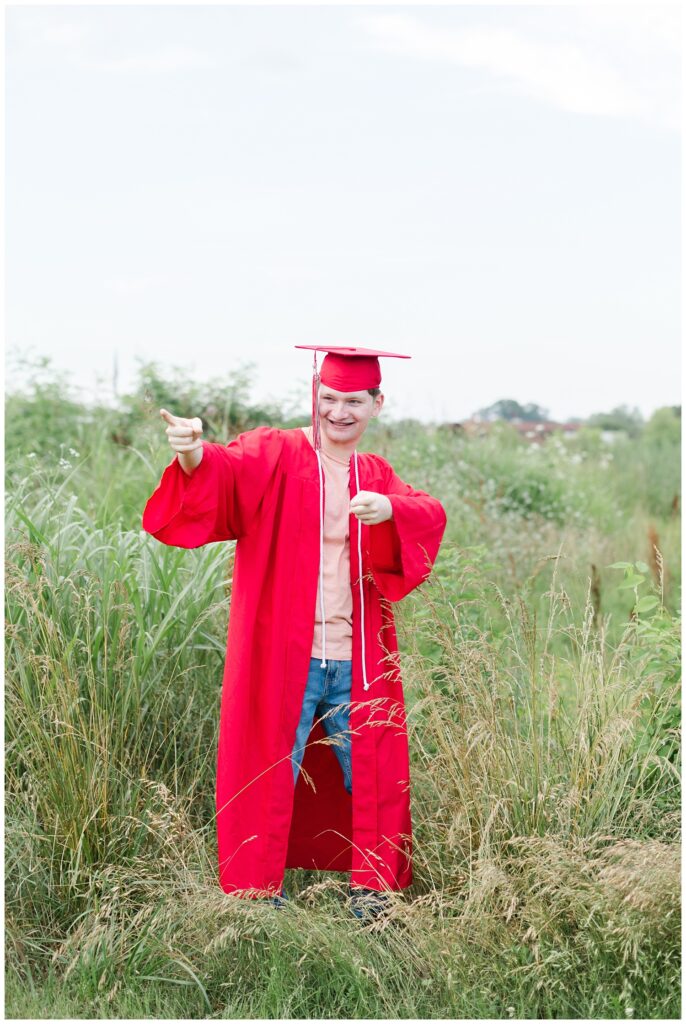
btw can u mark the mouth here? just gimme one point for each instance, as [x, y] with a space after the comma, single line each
[340, 426]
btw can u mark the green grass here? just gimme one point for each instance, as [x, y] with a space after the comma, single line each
[543, 695]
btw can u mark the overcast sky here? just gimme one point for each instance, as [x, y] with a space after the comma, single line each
[492, 190]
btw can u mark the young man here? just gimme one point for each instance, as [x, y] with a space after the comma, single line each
[312, 760]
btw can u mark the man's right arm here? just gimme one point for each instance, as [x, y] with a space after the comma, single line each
[220, 497]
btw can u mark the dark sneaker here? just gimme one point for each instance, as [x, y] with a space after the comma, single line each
[368, 904]
[276, 901]
[279, 901]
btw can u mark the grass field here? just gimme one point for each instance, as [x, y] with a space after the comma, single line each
[543, 695]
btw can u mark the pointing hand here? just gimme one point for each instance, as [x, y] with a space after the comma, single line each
[183, 434]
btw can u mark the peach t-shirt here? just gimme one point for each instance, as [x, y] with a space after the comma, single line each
[338, 598]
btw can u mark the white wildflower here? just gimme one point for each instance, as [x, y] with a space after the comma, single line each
[31, 455]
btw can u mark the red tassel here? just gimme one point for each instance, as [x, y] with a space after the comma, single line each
[316, 433]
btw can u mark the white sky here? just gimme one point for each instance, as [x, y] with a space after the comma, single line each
[493, 190]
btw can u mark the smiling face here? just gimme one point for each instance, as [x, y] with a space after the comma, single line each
[344, 415]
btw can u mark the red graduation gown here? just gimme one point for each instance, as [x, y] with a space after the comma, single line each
[262, 489]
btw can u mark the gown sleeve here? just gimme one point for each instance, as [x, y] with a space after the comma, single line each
[403, 549]
[220, 498]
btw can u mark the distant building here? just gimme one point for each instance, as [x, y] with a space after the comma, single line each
[532, 430]
[612, 436]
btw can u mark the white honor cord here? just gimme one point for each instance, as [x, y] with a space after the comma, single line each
[359, 565]
[321, 558]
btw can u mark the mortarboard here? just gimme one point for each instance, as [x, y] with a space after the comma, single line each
[344, 369]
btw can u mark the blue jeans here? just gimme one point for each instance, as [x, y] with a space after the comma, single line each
[327, 693]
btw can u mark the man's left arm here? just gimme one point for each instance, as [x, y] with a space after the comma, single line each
[402, 549]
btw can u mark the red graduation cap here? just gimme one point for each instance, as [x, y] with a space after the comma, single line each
[344, 369]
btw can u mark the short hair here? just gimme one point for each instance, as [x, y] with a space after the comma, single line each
[374, 391]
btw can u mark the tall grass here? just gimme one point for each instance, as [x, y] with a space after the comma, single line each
[544, 736]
